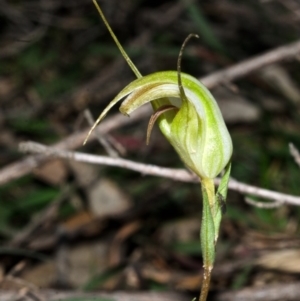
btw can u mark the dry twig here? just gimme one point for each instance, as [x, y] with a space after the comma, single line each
[24, 166]
[52, 295]
[146, 169]
[295, 153]
[248, 66]
[101, 138]
[269, 205]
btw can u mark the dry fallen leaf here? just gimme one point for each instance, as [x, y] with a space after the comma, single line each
[183, 230]
[85, 174]
[42, 275]
[277, 77]
[235, 107]
[106, 198]
[53, 172]
[84, 262]
[283, 260]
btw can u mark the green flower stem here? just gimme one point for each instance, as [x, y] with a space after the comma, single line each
[211, 220]
[207, 233]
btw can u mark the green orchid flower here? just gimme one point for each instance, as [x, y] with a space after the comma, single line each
[192, 123]
[190, 119]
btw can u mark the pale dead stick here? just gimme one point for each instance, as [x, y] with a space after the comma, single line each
[146, 169]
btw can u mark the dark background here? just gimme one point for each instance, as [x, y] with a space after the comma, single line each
[70, 225]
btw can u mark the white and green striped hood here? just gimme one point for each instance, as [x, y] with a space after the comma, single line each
[196, 129]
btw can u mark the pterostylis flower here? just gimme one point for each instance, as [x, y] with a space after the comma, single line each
[190, 119]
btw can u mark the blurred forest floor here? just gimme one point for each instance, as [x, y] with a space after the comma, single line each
[71, 230]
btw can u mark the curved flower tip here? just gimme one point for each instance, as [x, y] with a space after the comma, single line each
[196, 129]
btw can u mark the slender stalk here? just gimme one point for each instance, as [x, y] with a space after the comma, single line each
[208, 188]
[205, 284]
[208, 233]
